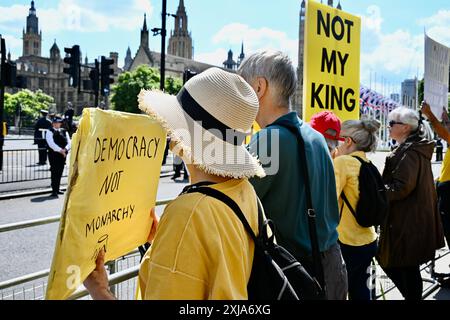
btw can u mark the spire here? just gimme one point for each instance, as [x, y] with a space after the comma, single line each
[145, 23]
[32, 21]
[54, 46]
[241, 56]
[304, 4]
[86, 60]
[181, 5]
[339, 5]
[9, 55]
[128, 60]
[32, 9]
[144, 34]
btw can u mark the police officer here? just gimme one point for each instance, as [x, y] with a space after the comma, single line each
[58, 141]
[41, 125]
[68, 116]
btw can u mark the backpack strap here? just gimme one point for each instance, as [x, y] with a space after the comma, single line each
[310, 212]
[233, 206]
[344, 197]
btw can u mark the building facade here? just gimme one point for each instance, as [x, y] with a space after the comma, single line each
[180, 41]
[180, 50]
[297, 101]
[46, 73]
[232, 65]
[409, 93]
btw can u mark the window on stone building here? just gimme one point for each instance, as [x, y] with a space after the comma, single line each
[41, 83]
[36, 45]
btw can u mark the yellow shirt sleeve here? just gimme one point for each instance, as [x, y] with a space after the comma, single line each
[200, 251]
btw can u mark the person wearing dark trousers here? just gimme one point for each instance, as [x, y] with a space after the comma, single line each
[68, 117]
[179, 165]
[412, 231]
[408, 281]
[42, 124]
[58, 141]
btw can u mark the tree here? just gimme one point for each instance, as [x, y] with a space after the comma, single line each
[125, 92]
[28, 103]
[421, 90]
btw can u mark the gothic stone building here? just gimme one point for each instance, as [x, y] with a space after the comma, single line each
[180, 49]
[47, 73]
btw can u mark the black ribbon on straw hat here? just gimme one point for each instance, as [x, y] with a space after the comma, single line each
[208, 122]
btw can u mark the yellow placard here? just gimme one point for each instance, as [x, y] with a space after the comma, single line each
[115, 165]
[331, 62]
[255, 129]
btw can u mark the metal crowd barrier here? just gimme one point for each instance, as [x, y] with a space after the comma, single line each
[123, 271]
[20, 165]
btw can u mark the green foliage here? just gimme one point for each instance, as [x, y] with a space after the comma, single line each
[125, 92]
[421, 90]
[173, 85]
[30, 102]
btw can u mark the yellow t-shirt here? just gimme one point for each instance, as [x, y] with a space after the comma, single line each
[201, 249]
[445, 172]
[346, 169]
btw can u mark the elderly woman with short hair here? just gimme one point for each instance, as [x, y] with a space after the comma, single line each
[413, 230]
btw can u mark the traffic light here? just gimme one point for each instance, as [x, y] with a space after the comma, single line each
[73, 60]
[10, 74]
[106, 72]
[11, 78]
[188, 74]
[94, 78]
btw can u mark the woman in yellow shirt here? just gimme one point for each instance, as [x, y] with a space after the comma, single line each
[358, 244]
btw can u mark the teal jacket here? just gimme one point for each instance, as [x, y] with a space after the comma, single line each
[282, 191]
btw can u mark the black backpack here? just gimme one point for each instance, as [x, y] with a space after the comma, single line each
[276, 274]
[373, 205]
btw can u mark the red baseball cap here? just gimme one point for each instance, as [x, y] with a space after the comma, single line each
[327, 120]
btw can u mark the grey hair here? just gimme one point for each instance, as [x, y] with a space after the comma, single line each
[363, 132]
[278, 70]
[406, 116]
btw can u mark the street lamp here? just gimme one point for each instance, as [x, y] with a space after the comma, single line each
[162, 31]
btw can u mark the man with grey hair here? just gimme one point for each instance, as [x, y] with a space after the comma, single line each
[282, 191]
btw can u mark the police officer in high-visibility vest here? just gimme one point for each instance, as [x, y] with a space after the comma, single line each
[58, 141]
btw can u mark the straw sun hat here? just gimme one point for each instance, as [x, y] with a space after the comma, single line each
[208, 121]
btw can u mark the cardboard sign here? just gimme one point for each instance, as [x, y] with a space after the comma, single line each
[437, 60]
[115, 164]
[332, 62]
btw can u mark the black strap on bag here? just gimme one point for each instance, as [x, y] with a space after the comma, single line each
[276, 274]
[231, 203]
[311, 213]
